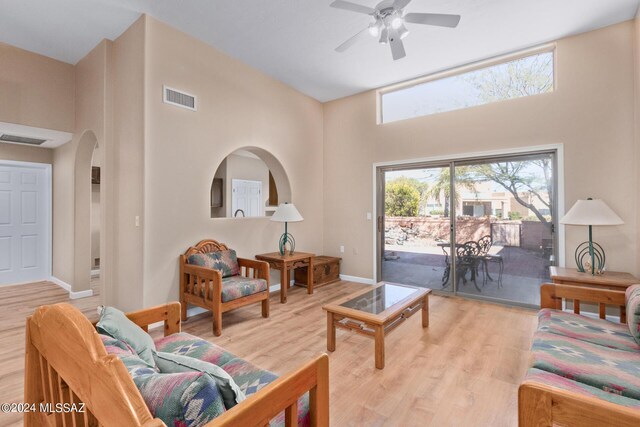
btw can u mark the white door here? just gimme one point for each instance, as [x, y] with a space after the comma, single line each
[246, 198]
[25, 222]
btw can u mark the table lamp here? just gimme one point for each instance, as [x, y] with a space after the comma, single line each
[286, 213]
[590, 212]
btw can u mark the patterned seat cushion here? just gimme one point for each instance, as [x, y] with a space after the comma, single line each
[632, 298]
[249, 377]
[225, 261]
[613, 371]
[563, 383]
[238, 286]
[595, 331]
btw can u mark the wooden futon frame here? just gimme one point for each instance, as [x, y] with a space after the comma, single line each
[67, 366]
[544, 405]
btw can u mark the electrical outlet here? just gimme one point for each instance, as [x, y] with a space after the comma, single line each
[341, 249]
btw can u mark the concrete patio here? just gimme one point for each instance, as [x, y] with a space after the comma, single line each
[524, 272]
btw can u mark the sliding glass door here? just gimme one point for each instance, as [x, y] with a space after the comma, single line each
[481, 227]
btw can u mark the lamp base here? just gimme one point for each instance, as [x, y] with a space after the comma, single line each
[586, 262]
[282, 245]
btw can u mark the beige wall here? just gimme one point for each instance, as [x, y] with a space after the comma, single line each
[129, 76]
[591, 112]
[237, 107]
[636, 46]
[22, 153]
[36, 90]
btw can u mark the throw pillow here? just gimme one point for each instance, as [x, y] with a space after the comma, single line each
[189, 399]
[115, 323]
[225, 261]
[174, 363]
[632, 297]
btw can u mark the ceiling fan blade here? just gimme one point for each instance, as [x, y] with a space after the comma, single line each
[353, 40]
[400, 4]
[438, 19]
[397, 47]
[353, 7]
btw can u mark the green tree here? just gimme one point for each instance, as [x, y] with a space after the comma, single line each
[528, 177]
[442, 187]
[402, 198]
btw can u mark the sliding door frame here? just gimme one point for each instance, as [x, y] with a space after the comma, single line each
[450, 161]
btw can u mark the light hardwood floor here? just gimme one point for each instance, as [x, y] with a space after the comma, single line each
[463, 370]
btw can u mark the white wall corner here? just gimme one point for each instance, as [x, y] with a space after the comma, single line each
[67, 287]
[357, 279]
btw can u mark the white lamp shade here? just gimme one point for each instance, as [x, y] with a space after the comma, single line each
[286, 212]
[591, 212]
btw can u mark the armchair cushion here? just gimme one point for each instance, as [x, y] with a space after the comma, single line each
[595, 331]
[235, 287]
[224, 261]
[632, 298]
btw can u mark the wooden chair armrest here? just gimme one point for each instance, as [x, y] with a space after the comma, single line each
[551, 295]
[168, 313]
[282, 395]
[202, 272]
[544, 405]
[262, 267]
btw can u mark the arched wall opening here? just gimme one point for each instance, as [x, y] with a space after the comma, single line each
[83, 263]
[275, 182]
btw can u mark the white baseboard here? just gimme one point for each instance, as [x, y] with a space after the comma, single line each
[81, 294]
[67, 287]
[95, 273]
[356, 279]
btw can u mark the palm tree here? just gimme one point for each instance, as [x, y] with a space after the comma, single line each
[464, 180]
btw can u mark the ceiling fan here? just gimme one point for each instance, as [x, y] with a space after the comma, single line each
[389, 22]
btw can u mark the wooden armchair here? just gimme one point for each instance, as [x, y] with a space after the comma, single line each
[541, 404]
[202, 287]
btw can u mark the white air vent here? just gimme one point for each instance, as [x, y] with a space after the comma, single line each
[179, 98]
[5, 137]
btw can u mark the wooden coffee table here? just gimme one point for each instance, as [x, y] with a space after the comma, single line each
[375, 312]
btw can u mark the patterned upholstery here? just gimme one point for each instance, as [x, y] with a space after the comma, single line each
[249, 377]
[632, 298]
[595, 331]
[189, 399]
[610, 370]
[238, 286]
[566, 384]
[224, 261]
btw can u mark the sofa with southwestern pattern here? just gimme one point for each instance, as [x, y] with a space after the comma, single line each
[584, 371]
[69, 362]
[214, 278]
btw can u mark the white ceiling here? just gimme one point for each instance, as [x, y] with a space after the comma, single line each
[294, 40]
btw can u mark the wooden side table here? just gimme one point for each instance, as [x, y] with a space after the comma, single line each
[608, 280]
[286, 263]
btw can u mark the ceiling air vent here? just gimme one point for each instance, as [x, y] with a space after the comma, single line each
[5, 137]
[179, 99]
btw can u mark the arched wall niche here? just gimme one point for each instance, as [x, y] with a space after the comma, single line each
[274, 179]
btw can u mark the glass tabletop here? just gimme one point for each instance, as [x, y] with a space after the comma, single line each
[379, 299]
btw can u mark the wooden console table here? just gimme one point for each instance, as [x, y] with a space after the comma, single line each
[286, 263]
[608, 280]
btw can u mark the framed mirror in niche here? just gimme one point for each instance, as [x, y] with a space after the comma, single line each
[249, 182]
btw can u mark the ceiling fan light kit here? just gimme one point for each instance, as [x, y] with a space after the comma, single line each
[389, 25]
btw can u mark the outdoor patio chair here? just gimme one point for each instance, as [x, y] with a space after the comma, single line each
[468, 259]
[485, 244]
